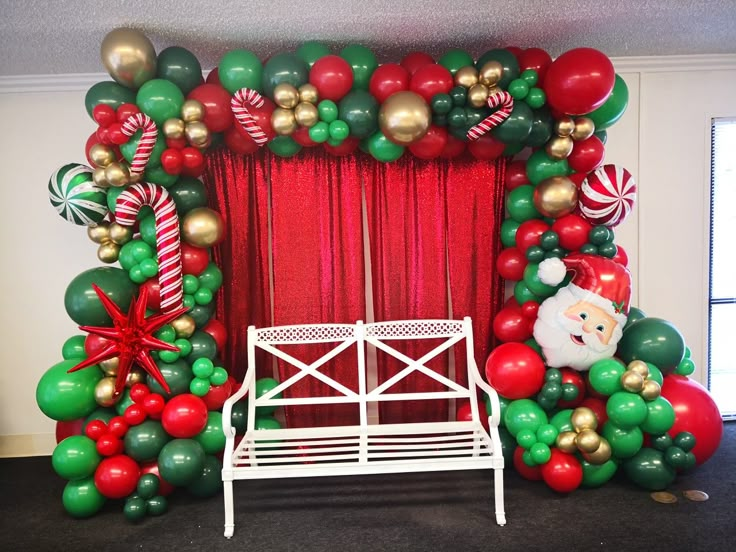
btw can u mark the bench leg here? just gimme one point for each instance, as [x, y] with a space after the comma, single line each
[498, 494]
[229, 514]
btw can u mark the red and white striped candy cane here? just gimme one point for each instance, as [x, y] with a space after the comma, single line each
[145, 144]
[506, 101]
[243, 97]
[168, 246]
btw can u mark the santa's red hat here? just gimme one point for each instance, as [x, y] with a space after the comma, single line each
[597, 280]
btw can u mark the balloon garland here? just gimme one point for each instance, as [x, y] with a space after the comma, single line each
[573, 409]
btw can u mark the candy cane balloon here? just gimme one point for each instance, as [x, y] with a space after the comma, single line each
[238, 103]
[168, 246]
[145, 144]
[506, 101]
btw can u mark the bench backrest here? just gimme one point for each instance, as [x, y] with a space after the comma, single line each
[345, 336]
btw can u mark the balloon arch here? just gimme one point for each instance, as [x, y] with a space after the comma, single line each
[589, 384]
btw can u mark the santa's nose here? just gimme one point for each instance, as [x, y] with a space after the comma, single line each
[589, 326]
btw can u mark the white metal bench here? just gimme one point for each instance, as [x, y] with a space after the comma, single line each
[365, 448]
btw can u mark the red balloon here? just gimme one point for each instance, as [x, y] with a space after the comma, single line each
[587, 155]
[592, 392]
[415, 60]
[510, 325]
[621, 257]
[172, 161]
[164, 487]
[301, 137]
[95, 429]
[104, 115]
[192, 162]
[515, 175]
[138, 392]
[574, 377]
[577, 178]
[431, 145]
[184, 416]
[193, 259]
[93, 344]
[579, 81]
[154, 405]
[511, 264]
[217, 395]
[239, 142]
[536, 59]
[598, 406]
[530, 309]
[388, 79]
[67, 429]
[109, 444]
[454, 147]
[117, 476]
[532, 473]
[696, 412]
[125, 111]
[530, 233]
[153, 288]
[563, 473]
[218, 331]
[431, 79]
[464, 412]
[348, 146]
[573, 231]
[213, 77]
[333, 77]
[177, 143]
[486, 148]
[218, 115]
[115, 134]
[135, 414]
[515, 370]
[117, 426]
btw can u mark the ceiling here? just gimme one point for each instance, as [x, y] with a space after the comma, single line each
[64, 36]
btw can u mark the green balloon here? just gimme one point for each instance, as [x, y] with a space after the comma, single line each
[522, 293]
[179, 66]
[155, 174]
[160, 100]
[535, 285]
[212, 437]
[595, 475]
[359, 109]
[133, 252]
[540, 453]
[128, 150]
[613, 108]
[263, 386]
[602, 135]
[506, 59]
[605, 376]
[653, 340]
[81, 498]
[76, 457]
[240, 69]
[563, 420]
[508, 446]
[649, 470]
[517, 127]
[626, 410]
[203, 346]
[363, 62]
[147, 228]
[547, 434]
[181, 461]
[108, 93]
[143, 442]
[541, 128]
[524, 414]
[156, 506]
[188, 193]
[311, 51]
[123, 402]
[73, 348]
[655, 373]
[267, 422]
[211, 277]
[320, 132]
[209, 482]
[685, 440]
[660, 416]
[383, 149]
[284, 146]
[509, 227]
[520, 204]
[178, 375]
[625, 443]
[81, 302]
[284, 68]
[103, 414]
[503, 402]
[65, 397]
[148, 486]
[540, 166]
[135, 508]
[239, 416]
[455, 59]
[201, 314]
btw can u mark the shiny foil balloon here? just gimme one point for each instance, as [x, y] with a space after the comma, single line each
[105, 392]
[191, 110]
[286, 95]
[129, 57]
[556, 196]
[203, 227]
[184, 326]
[99, 233]
[404, 117]
[101, 155]
[76, 197]
[283, 121]
[466, 76]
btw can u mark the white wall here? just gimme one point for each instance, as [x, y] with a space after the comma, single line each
[662, 140]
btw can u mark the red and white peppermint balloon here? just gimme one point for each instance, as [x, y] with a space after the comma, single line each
[607, 195]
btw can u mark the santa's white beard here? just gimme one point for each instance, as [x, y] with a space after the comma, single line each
[553, 331]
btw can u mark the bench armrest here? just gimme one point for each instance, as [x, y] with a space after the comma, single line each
[495, 418]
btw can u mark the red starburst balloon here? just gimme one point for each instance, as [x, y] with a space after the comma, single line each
[131, 338]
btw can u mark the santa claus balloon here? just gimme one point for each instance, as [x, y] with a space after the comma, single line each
[583, 322]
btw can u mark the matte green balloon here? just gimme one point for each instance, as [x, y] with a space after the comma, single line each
[520, 204]
[541, 128]
[209, 482]
[181, 67]
[181, 461]
[65, 397]
[383, 149]
[595, 475]
[211, 277]
[605, 376]
[284, 68]
[363, 62]
[506, 59]
[160, 99]
[267, 422]
[649, 470]
[602, 135]
[203, 346]
[509, 227]
[503, 402]
[625, 443]
[108, 93]
[143, 442]
[535, 285]
[311, 51]
[653, 340]
[178, 375]
[660, 416]
[263, 386]
[147, 228]
[515, 129]
[76, 457]
[155, 174]
[240, 69]
[524, 414]
[188, 193]
[74, 348]
[133, 252]
[212, 437]
[634, 315]
[128, 149]
[81, 498]
[613, 108]
[81, 302]
[522, 293]
[540, 166]
[284, 146]
[626, 410]
[455, 59]
[359, 109]
[563, 420]
[201, 314]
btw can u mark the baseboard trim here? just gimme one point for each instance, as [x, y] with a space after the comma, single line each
[33, 444]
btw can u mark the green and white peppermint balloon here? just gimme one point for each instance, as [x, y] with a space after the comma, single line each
[76, 197]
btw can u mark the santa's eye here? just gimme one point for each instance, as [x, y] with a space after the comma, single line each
[584, 315]
[600, 327]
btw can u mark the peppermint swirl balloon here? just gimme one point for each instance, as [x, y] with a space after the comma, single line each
[607, 196]
[76, 197]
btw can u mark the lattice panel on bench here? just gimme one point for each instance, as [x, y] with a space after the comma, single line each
[323, 333]
[414, 329]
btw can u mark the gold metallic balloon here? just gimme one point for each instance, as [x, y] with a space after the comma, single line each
[583, 418]
[101, 155]
[191, 111]
[308, 93]
[98, 177]
[286, 95]
[650, 390]
[490, 73]
[566, 441]
[203, 227]
[135, 177]
[135, 376]
[601, 455]
[129, 57]
[184, 326]
[105, 392]
[108, 252]
[559, 147]
[404, 117]
[631, 381]
[640, 367]
[198, 134]
[588, 440]
[120, 234]
[556, 196]
[117, 174]
[283, 121]
[584, 128]
[110, 366]
[99, 233]
[565, 126]
[173, 128]
[466, 76]
[306, 114]
[493, 90]
[478, 95]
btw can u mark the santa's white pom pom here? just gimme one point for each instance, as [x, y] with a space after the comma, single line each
[552, 271]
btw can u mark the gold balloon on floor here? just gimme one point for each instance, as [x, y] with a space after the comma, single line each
[404, 117]
[556, 196]
[129, 57]
[203, 227]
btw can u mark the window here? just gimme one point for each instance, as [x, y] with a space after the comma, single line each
[722, 296]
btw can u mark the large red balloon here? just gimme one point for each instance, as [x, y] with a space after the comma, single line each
[218, 331]
[332, 76]
[579, 81]
[486, 148]
[117, 476]
[563, 473]
[532, 473]
[388, 79]
[413, 61]
[530, 233]
[696, 412]
[515, 370]
[511, 263]
[536, 59]
[218, 115]
[431, 79]
[430, 145]
[184, 416]
[598, 406]
[587, 155]
[572, 230]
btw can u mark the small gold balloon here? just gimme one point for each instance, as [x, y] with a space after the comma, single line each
[490, 73]
[283, 121]
[129, 57]
[108, 252]
[99, 233]
[404, 117]
[478, 95]
[640, 367]
[117, 174]
[101, 155]
[120, 234]
[631, 381]
[565, 126]
[466, 76]
[584, 128]
[588, 440]
[650, 390]
[184, 326]
[493, 90]
[556, 196]
[135, 177]
[308, 93]
[191, 111]
[583, 418]
[198, 134]
[601, 455]
[566, 441]
[203, 227]
[110, 366]
[98, 177]
[306, 114]
[286, 95]
[105, 392]
[135, 376]
[559, 147]
[173, 128]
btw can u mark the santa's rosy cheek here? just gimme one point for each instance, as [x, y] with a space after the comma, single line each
[573, 317]
[603, 338]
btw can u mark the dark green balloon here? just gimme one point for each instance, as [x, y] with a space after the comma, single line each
[541, 128]
[81, 498]
[81, 302]
[613, 108]
[685, 440]
[596, 475]
[520, 204]
[203, 346]
[74, 348]
[359, 109]
[441, 104]
[188, 193]
[108, 93]
[156, 505]
[363, 62]
[240, 69]
[144, 441]
[284, 68]
[383, 149]
[540, 166]
[509, 228]
[459, 95]
[65, 397]
[634, 315]
[103, 414]
[123, 402]
[311, 51]
[474, 116]
[239, 416]
[506, 59]
[508, 446]
[181, 461]
[202, 313]
[284, 146]
[455, 59]
[178, 376]
[160, 99]
[535, 254]
[517, 127]
[212, 437]
[653, 340]
[128, 149]
[148, 486]
[209, 482]
[181, 67]
[662, 442]
[211, 277]
[625, 443]
[649, 470]
[602, 136]
[135, 508]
